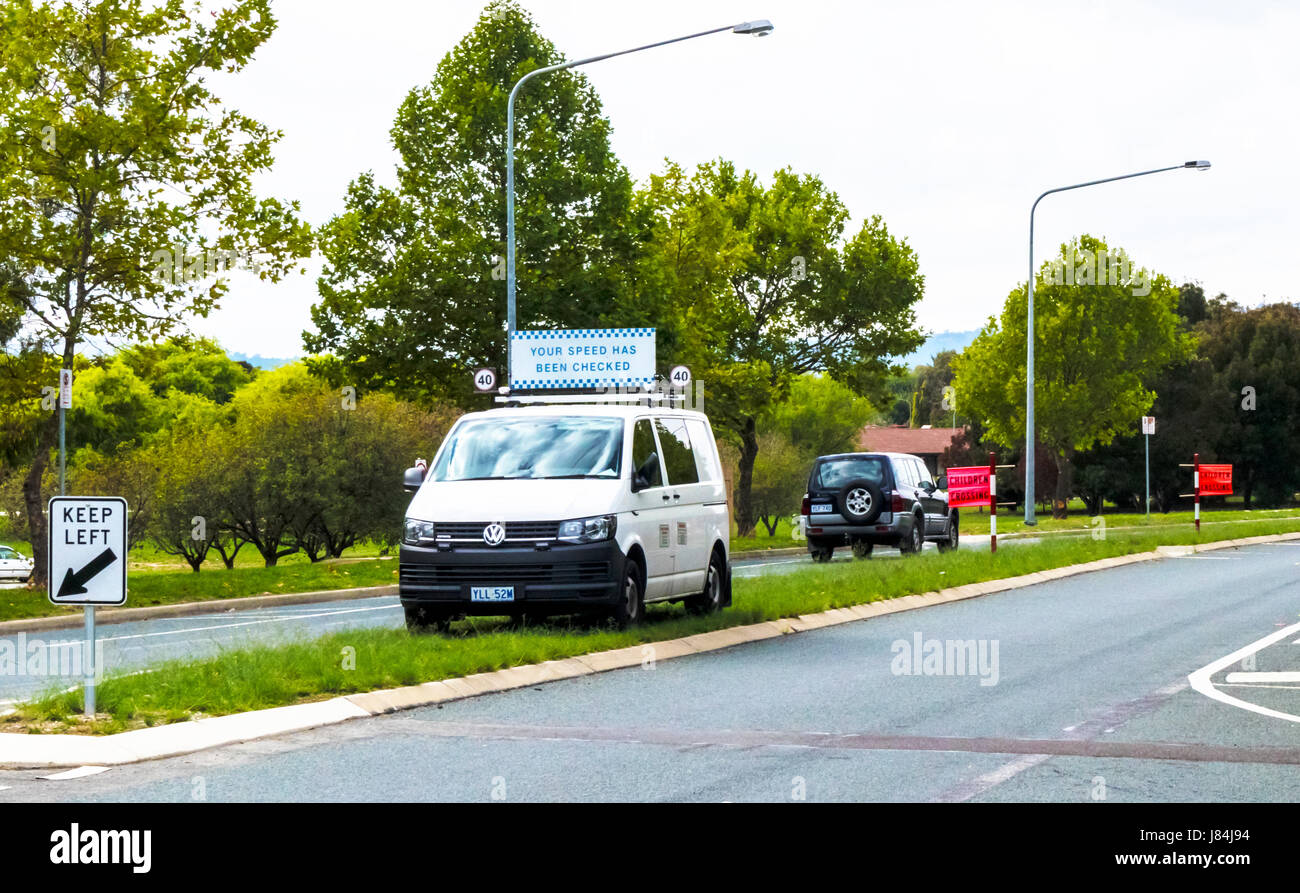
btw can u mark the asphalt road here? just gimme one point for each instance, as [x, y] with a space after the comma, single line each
[1088, 699]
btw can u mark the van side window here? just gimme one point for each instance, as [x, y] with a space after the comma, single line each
[643, 446]
[679, 458]
[706, 460]
[922, 473]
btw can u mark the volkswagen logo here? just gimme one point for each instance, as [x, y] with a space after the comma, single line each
[494, 534]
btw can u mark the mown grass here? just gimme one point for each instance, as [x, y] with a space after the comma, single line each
[259, 677]
[1014, 522]
[185, 586]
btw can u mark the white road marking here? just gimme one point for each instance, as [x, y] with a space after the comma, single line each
[1200, 680]
[1000, 775]
[1275, 676]
[79, 772]
[1215, 557]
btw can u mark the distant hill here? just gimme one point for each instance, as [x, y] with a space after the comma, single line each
[940, 341]
[260, 361]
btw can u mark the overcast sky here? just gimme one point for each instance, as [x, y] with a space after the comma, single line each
[948, 119]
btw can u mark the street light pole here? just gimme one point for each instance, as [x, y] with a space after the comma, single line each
[758, 28]
[1030, 518]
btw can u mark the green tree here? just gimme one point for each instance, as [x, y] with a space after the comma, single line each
[1255, 354]
[413, 291]
[120, 163]
[1097, 347]
[763, 287]
[820, 417]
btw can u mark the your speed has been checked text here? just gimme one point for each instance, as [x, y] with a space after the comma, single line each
[581, 351]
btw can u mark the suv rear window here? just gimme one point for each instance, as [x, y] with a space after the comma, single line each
[831, 474]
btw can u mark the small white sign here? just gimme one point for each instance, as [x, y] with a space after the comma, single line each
[581, 358]
[87, 554]
[1148, 424]
[65, 388]
[485, 379]
[679, 376]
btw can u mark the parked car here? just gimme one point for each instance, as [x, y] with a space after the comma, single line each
[550, 509]
[14, 565]
[864, 500]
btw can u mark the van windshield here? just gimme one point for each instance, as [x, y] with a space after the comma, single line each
[541, 447]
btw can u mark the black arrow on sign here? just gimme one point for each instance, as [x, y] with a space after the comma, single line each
[75, 584]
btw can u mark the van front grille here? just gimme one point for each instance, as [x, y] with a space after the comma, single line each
[472, 531]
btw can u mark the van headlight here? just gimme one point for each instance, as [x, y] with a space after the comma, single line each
[588, 530]
[417, 533]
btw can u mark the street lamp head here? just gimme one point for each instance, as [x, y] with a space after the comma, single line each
[758, 28]
[1197, 165]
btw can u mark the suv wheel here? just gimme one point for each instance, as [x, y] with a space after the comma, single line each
[820, 552]
[949, 542]
[861, 501]
[862, 549]
[710, 600]
[914, 540]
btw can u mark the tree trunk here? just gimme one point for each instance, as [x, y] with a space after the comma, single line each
[745, 518]
[1064, 479]
[34, 500]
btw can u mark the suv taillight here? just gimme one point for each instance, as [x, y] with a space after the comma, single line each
[805, 507]
[897, 504]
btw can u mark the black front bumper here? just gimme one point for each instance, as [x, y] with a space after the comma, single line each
[564, 577]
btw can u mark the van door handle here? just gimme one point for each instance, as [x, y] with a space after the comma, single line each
[666, 497]
[677, 496]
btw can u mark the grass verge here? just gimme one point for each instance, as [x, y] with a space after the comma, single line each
[259, 677]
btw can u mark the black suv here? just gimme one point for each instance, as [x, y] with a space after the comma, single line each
[862, 500]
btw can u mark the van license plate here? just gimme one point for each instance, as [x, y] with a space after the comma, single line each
[821, 509]
[492, 593]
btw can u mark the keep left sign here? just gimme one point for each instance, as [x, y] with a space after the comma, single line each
[87, 554]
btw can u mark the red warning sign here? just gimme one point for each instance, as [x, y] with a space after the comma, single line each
[968, 486]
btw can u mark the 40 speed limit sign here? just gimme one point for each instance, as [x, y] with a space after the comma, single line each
[679, 376]
[485, 379]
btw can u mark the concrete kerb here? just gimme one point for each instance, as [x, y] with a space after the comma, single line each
[22, 751]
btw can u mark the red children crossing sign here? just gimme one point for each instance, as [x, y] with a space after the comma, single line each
[1214, 480]
[968, 486]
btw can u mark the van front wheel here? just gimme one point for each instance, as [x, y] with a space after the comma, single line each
[631, 604]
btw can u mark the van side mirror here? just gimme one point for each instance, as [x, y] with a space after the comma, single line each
[942, 483]
[413, 478]
[645, 474]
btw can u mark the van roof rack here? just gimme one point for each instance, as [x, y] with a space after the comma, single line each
[540, 399]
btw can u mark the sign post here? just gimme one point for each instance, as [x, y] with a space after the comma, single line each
[87, 564]
[65, 403]
[1148, 428]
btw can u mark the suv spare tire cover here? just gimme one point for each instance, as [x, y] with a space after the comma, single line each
[860, 501]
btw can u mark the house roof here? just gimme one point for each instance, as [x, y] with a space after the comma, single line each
[917, 441]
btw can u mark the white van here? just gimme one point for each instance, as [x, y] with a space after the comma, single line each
[551, 509]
